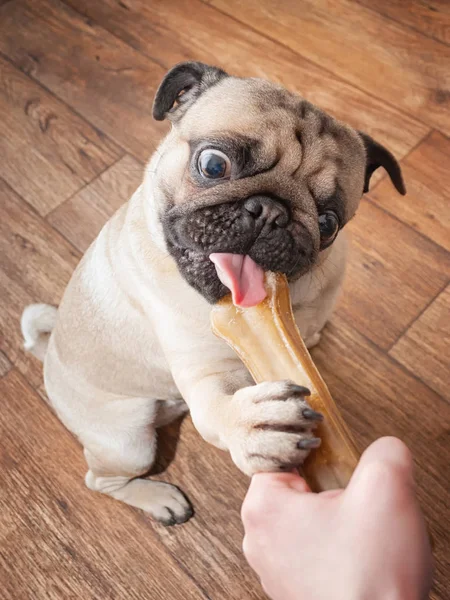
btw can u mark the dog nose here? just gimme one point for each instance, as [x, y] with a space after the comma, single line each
[267, 211]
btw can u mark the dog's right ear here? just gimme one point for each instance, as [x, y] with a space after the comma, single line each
[379, 156]
[181, 87]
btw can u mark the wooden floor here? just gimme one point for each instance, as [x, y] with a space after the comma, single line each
[77, 78]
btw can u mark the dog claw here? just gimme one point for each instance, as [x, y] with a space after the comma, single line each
[309, 443]
[312, 415]
[169, 521]
[300, 390]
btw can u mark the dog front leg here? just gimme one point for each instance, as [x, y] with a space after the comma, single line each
[265, 427]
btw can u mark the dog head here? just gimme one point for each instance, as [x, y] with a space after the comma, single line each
[256, 174]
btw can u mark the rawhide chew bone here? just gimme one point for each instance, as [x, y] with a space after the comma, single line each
[268, 342]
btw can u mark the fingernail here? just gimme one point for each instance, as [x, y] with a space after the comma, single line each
[300, 389]
[311, 414]
[309, 443]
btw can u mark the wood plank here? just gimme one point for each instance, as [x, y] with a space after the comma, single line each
[425, 347]
[36, 264]
[48, 152]
[379, 397]
[426, 208]
[376, 54]
[393, 273]
[5, 364]
[210, 546]
[105, 80]
[54, 547]
[431, 17]
[60, 540]
[171, 32]
[81, 218]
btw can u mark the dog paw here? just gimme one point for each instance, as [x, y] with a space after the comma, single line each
[163, 501]
[275, 427]
[168, 504]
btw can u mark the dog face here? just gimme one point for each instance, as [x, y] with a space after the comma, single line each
[252, 169]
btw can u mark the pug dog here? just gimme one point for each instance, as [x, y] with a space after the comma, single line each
[250, 178]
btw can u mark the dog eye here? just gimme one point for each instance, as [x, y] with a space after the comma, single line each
[328, 227]
[214, 164]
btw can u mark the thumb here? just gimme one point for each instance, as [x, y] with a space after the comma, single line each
[263, 482]
[267, 493]
[387, 454]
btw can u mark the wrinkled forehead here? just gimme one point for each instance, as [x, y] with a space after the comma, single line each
[325, 155]
[241, 106]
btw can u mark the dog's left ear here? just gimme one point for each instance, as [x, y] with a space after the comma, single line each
[181, 87]
[378, 156]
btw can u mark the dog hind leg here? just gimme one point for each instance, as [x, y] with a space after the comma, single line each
[117, 458]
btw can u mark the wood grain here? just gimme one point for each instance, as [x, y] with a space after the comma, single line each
[376, 54]
[210, 546]
[426, 208]
[95, 66]
[81, 218]
[392, 274]
[431, 17]
[424, 348]
[170, 32]
[48, 152]
[378, 398]
[52, 547]
[105, 80]
[36, 264]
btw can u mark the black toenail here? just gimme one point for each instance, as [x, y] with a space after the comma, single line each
[300, 390]
[312, 415]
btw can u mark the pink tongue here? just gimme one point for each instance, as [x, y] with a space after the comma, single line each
[242, 276]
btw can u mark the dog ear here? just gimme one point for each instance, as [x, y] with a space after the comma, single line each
[378, 156]
[181, 87]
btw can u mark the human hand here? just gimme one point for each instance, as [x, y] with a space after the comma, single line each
[368, 541]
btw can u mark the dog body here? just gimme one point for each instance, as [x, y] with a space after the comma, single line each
[132, 347]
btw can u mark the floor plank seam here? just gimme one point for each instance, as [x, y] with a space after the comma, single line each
[443, 133]
[403, 25]
[416, 378]
[324, 69]
[83, 187]
[423, 140]
[385, 352]
[417, 317]
[416, 231]
[33, 210]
